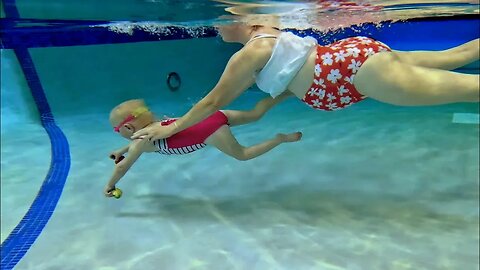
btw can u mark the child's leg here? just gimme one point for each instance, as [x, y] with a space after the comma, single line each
[236, 118]
[224, 140]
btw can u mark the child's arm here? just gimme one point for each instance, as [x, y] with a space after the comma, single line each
[135, 150]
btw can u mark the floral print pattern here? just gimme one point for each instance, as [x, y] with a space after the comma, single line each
[335, 69]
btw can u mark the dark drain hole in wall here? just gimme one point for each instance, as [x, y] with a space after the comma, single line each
[173, 81]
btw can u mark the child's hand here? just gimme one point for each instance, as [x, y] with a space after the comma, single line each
[108, 191]
[116, 156]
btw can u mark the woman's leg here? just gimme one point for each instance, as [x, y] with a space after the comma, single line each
[447, 59]
[385, 77]
[224, 140]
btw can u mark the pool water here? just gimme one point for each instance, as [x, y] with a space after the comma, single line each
[370, 187]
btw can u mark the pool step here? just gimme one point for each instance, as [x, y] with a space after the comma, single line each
[466, 118]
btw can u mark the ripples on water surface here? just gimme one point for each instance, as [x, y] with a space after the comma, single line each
[320, 14]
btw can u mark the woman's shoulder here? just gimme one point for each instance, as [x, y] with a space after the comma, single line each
[261, 48]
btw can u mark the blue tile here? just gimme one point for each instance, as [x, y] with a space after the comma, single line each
[29, 228]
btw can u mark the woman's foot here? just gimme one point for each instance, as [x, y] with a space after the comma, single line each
[292, 137]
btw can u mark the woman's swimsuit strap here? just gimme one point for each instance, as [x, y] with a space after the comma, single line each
[261, 36]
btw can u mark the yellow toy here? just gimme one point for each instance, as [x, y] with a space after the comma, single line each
[117, 193]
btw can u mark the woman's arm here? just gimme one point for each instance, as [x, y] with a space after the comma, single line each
[239, 75]
[236, 78]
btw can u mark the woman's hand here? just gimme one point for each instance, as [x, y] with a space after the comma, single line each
[154, 132]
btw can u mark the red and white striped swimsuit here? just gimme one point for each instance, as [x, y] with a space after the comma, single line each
[335, 69]
[192, 138]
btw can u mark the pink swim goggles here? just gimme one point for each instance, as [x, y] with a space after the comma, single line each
[136, 113]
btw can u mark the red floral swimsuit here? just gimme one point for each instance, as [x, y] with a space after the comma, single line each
[335, 69]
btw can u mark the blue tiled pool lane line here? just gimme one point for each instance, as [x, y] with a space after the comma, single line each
[32, 224]
[26, 232]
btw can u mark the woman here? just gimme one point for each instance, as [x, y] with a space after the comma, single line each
[332, 77]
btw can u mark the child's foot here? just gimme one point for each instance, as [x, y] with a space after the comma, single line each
[292, 137]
